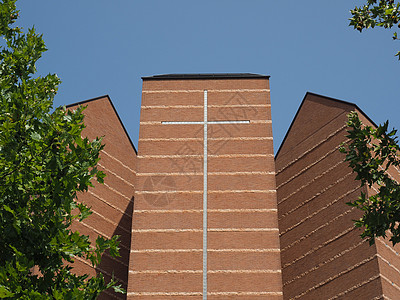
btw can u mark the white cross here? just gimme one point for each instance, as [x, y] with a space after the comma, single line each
[205, 123]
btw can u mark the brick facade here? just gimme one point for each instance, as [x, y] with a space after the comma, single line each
[276, 228]
[242, 237]
[323, 256]
[111, 202]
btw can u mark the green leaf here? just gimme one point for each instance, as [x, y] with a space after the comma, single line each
[36, 136]
[4, 292]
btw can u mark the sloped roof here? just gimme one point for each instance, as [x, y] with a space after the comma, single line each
[115, 111]
[322, 97]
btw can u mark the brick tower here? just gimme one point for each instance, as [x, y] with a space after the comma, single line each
[205, 215]
[323, 256]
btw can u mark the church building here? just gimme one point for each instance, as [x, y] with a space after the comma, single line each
[205, 211]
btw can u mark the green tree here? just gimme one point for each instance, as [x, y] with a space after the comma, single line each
[383, 13]
[370, 153]
[44, 164]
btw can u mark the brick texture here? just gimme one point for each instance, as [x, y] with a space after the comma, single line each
[167, 225]
[112, 202]
[322, 254]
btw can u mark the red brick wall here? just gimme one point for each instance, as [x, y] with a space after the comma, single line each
[243, 244]
[111, 203]
[323, 256]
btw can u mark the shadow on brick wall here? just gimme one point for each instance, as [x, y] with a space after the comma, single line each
[118, 266]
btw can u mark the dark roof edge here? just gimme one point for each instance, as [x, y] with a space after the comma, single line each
[116, 113]
[206, 76]
[326, 97]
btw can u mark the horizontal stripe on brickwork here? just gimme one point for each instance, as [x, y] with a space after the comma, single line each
[196, 113]
[243, 112]
[319, 199]
[310, 233]
[229, 260]
[103, 271]
[245, 294]
[388, 253]
[256, 220]
[183, 102]
[390, 288]
[117, 160]
[104, 208]
[237, 250]
[160, 115]
[164, 294]
[110, 192]
[98, 219]
[239, 105]
[234, 125]
[171, 222]
[333, 136]
[328, 149]
[325, 254]
[289, 191]
[308, 136]
[242, 271]
[328, 272]
[328, 158]
[170, 147]
[323, 213]
[236, 220]
[172, 99]
[155, 230]
[284, 212]
[240, 240]
[239, 138]
[321, 236]
[210, 155]
[112, 188]
[158, 130]
[167, 211]
[394, 272]
[322, 264]
[242, 182]
[366, 291]
[390, 273]
[175, 260]
[209, 173]
[202, 91]
[213, 295]
[167, 240]
[175, 282]
[145, 200]
[344, 232]
[113, 206]
[93, 233]
[146, 107]
[363, 268]
[242, 282]
[107, 171]
[169, 183]
[209, 191]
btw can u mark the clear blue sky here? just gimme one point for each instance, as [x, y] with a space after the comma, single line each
[100, 47]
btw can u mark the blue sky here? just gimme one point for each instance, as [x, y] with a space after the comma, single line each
[100, 47]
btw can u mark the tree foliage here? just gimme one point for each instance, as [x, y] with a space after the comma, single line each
[383, 13]
[44, 164]
[370, 153]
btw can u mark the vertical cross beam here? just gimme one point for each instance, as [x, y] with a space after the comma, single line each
[205, 122]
